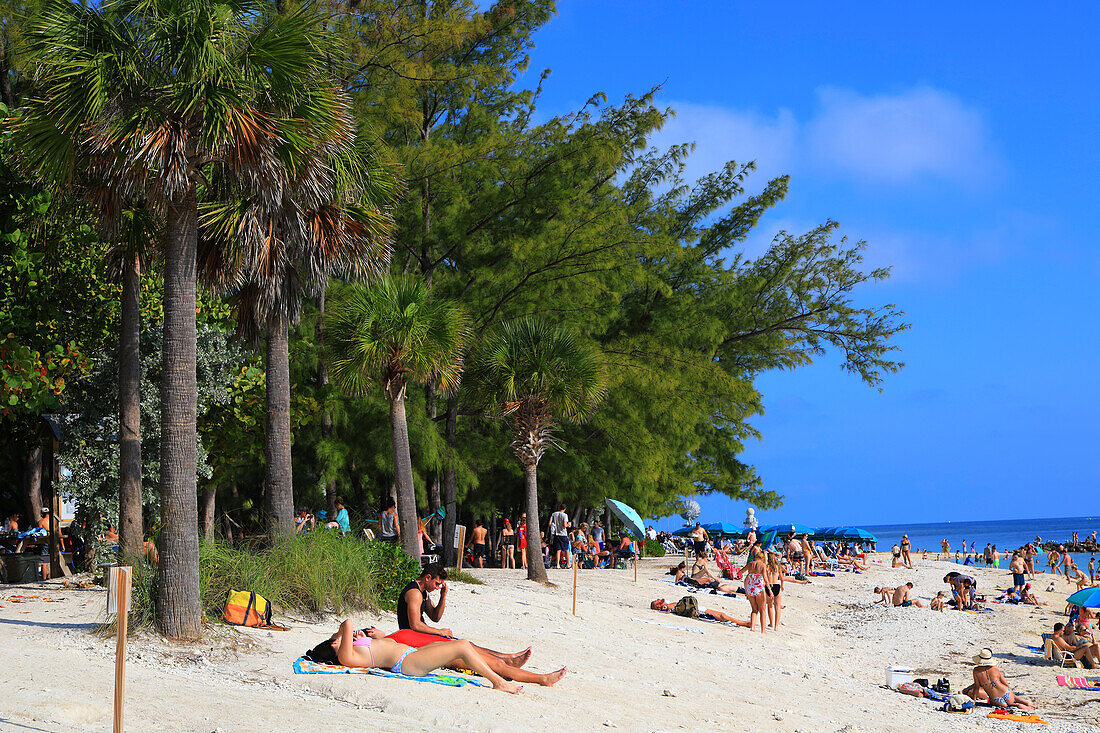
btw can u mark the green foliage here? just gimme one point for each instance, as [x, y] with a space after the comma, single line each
[90, 450]
[653, 548]
[318, 572]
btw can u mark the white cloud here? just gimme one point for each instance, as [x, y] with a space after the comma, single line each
[916, 135]
[899, 138]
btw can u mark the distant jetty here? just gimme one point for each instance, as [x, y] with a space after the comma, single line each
[1085, 546]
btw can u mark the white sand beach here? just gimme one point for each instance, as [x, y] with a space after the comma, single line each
[630, 668]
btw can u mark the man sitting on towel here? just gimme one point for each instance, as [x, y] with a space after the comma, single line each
[902, 599]
[414, 603]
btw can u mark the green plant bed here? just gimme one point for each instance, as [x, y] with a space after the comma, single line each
[653, 548]
[315, 572]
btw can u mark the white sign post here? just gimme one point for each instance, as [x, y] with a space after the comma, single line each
[118, 602]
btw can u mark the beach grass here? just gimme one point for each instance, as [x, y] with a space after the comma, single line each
[314, 573]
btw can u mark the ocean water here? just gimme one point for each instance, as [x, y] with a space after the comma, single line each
[1006, 534]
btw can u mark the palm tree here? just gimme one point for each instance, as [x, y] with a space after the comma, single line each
[332, 219]
[176, 90]
[134, 233]
[535, 375]
[393, 333]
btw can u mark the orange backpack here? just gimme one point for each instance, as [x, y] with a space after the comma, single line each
[246, 608]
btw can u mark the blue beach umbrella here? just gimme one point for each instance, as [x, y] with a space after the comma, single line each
[799, 529]
[1086, 598]
[723, 528]
[627, 516]
[683, 531]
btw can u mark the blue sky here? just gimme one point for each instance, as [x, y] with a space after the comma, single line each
[960, 141]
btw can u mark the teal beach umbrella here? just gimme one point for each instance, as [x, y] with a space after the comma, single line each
[629, 517]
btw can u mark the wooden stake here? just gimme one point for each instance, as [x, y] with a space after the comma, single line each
[122, 609]
[574, 586]
[461, 544]
[635, 562]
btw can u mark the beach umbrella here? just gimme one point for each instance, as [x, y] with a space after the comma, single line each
[634, 525]
[825, 533]
[684, 531]
[783, 529]
[865, 535]
[723, 528]
[1086, 598]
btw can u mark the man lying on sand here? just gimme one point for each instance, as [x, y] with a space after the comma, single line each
[708, 613]
[902, 599]
[990, 684]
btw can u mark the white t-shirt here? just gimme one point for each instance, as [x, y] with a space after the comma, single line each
[558, 521]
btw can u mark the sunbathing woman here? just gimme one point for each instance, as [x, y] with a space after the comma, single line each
[356, 649]
[708, 614]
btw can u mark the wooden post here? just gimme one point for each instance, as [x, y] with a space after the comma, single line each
[574, 589]
[119, 582]
[635, 562]
[461, 542]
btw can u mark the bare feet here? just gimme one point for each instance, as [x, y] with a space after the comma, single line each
[549, 680]
[520, 659]
[506, 686]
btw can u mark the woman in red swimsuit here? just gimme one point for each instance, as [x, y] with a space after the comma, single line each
[521, 536]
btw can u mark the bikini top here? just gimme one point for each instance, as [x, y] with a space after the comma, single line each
[363, 640]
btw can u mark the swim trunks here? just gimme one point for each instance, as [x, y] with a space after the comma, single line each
[1018, 579]
[906, 604]
[479, 550]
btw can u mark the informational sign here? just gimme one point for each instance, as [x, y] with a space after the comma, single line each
[460, 535]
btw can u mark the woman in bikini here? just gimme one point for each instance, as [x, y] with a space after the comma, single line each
[356, 649]
[701, 576]
[507, 544]
[753, 575]
[990, 684]
[774, 580]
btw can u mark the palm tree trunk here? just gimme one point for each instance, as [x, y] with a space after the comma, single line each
[402, 465]
[279, 498]
[450, 498]
[179, 615]
[535, 569]
[130, 532]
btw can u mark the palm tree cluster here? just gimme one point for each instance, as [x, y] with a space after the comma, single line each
[220, 118]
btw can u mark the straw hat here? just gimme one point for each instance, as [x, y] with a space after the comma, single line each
[985, 658]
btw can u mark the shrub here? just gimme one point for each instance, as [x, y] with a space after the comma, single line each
[316, 572]
[653, 548]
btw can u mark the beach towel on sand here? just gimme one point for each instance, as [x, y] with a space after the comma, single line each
[304, 666]
[1004, 715]
[1080, 683]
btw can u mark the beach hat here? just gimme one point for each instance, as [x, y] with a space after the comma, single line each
[985, 658]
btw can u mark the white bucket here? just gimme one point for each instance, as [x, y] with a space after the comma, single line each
[898, 675]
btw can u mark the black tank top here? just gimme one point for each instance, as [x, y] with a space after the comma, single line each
[403, 606]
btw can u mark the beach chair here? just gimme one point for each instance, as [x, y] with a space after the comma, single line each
[729, 570]
[1054, 654]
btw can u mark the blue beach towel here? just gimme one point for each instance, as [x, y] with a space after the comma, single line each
[304, 666]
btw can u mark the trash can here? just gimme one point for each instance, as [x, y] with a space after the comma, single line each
[20, 568]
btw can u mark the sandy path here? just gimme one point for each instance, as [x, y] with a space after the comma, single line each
[824, 670]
